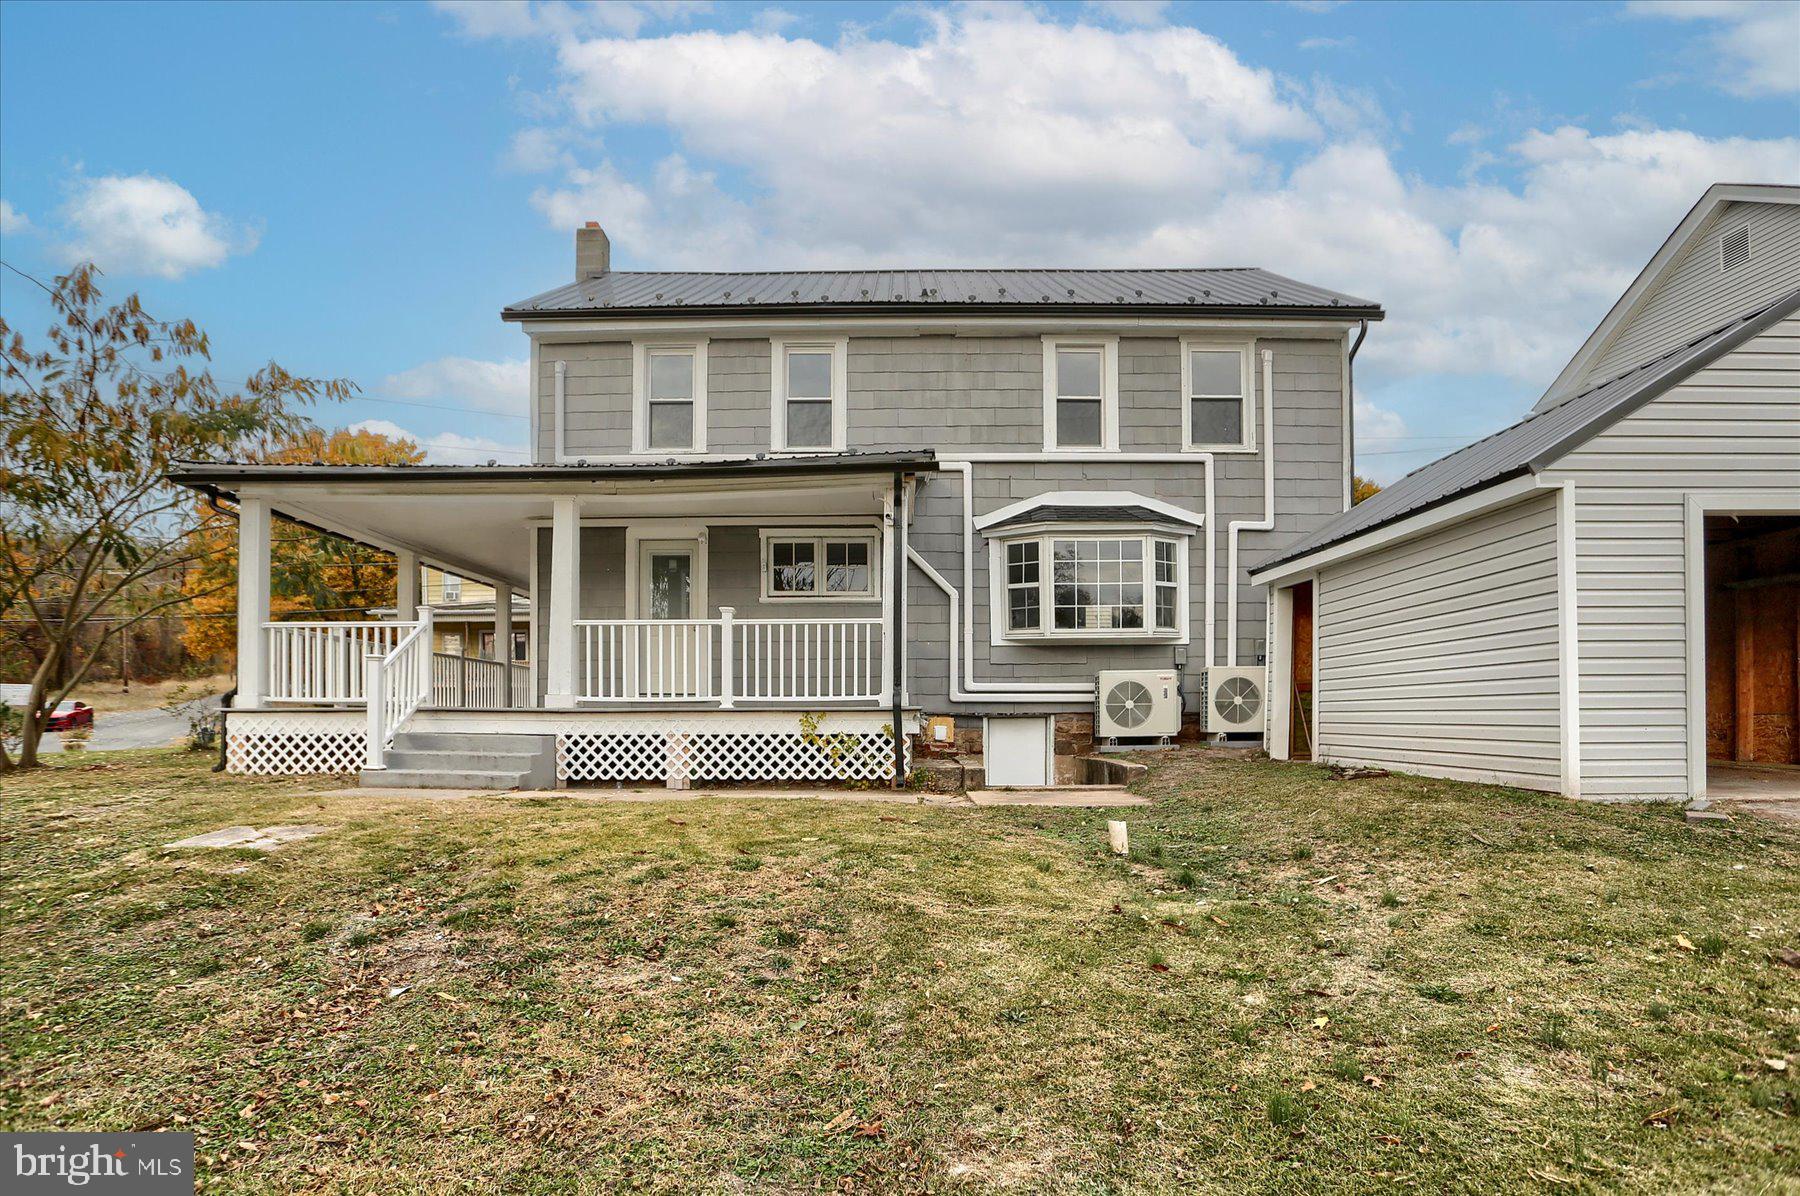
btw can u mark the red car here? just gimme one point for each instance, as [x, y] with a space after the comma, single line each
[70, 714]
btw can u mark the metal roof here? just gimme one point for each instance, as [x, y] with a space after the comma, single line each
[1061, 513]
[203, 474]
[1540, 438]
[658, 292]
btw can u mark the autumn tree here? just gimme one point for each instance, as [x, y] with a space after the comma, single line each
[93, 538]
[1362, 488]
[308, 570]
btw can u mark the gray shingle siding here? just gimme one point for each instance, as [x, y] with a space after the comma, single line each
[985, 393]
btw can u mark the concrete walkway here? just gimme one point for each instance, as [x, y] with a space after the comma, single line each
[1770, 790]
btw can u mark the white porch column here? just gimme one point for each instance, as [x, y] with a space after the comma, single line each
[252, 602]
[406, 585]
[565, 593]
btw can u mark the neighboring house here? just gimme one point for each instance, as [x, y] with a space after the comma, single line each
[462, 617]
[772, 517]
[1602, 597]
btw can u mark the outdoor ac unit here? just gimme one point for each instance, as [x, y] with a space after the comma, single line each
[1237, 699]
[1137, 703]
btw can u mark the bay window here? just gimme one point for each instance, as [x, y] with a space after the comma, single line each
[1101, 585]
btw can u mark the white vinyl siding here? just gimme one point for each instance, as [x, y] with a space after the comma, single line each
[1731, 429]
[1696, 296]
[1439, 655]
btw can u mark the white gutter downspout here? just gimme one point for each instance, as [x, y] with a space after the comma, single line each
[1266, 523]
[974, 690]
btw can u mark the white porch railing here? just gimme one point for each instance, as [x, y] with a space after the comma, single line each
[325, 662]
[477, 683]
[397, 684]
[725, 660]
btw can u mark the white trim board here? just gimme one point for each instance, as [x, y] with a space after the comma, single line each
[1411, 526]
[1090, 498]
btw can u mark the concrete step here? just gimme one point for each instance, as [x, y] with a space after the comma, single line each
[419, 778]
[466, 741]
[467, 760]
[445, 760]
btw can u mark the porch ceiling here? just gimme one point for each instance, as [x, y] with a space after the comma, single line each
[478, 524]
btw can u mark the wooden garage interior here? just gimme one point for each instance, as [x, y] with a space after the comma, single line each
[1753, 639]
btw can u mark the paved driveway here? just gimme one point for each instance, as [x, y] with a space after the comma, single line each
[1770, 790]
[130, 729]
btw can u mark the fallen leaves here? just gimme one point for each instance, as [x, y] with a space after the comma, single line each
[1681, 941]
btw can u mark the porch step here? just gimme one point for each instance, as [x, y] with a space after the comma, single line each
[413, 778]
[466, 760]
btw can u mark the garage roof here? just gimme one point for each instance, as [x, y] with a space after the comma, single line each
[1540, 438]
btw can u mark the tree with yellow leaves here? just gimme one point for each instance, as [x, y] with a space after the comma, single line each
[308, 570]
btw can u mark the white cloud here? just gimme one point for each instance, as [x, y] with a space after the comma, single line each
[1327, 43]
[12, 220]
[449, 448]
[1755, 46]
[143, 224]
[535, 150]
[501, 386]
[773, 20]
[1149, 147]
[1144, 14]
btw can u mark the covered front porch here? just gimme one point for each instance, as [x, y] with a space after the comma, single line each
[714, 615]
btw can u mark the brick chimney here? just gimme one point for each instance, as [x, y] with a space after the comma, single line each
[593, 252]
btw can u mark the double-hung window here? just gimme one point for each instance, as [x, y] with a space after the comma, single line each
[669, 390]
[1217, 409]
[1081, 384]
[1105, 586]
[819, 566]
[808, 393]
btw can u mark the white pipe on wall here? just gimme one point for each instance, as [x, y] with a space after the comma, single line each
[1266, 523]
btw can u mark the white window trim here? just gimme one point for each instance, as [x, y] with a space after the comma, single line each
[1247, 351]
[1000, 635]
[818, 536]
[838, 346]
[1109, 391]
[641, 351]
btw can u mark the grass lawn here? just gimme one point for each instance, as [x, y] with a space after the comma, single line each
[1296, 982]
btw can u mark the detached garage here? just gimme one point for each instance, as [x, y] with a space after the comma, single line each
[1601, 598]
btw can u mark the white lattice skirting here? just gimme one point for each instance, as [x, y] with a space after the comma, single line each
[703, 746]
[762, 755]
[280, 743]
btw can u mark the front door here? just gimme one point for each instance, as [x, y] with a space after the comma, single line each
[673, 651]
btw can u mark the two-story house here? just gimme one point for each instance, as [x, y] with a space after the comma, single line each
[773, 518]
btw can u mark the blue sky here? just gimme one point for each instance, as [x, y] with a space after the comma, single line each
[355, 190]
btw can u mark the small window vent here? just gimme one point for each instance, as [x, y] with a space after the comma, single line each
[1734, 249]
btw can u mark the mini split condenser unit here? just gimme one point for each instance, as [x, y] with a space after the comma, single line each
[1236, 699]
[1137, 704]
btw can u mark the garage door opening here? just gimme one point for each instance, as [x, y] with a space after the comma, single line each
[1300, 724]
[1752, 645]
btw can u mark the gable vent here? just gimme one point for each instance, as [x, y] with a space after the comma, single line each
[1734, 248]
